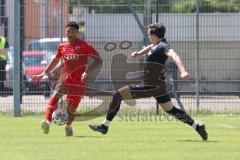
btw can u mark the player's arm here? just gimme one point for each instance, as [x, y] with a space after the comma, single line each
[172, 54]
[49, 67]
[97, 63]
[142, 51]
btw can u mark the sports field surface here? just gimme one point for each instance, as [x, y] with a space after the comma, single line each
[37, 103]
[138, 139]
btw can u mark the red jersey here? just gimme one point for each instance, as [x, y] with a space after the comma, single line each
[74, 58]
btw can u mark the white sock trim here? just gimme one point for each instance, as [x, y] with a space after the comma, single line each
[106, 122]
[194, 125]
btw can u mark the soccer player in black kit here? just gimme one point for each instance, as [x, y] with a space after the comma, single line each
[153, 84]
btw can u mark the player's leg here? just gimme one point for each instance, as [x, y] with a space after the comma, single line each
[51, 106]
[73, 103]
[133, 91]
[167, 106]
[123, 93]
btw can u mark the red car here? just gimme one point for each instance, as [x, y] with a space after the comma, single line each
[35, 62]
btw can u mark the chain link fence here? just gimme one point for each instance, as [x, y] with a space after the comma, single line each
[205, 35]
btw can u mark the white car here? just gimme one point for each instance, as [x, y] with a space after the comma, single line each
[47, 45]
[8, 83]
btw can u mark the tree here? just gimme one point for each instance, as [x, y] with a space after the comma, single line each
[206, 6]
[165, 6]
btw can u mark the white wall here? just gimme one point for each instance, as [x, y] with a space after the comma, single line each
[180, 27]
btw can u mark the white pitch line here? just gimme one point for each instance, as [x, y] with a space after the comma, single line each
[226, 126]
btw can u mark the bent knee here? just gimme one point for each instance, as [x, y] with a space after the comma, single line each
[166, 106]
[125, 93]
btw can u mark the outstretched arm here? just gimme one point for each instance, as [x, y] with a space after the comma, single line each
[142, 51]
[184, 74]
[50, 66]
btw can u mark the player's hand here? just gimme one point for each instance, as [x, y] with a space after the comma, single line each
[38, 77]
[84, 76]
[135, 54]
[185, 75]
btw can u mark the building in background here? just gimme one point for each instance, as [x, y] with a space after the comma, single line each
[40, 18]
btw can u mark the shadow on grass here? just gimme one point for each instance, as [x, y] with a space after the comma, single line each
[88, 136]
[208, 141]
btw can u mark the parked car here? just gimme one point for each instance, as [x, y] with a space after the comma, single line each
[8, 83]
[47, 45]
[34, 62]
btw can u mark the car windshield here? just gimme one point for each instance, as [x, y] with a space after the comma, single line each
[33, 60]
[44, 46]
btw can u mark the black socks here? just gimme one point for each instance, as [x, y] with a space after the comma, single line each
[114, 106]
[181, 115]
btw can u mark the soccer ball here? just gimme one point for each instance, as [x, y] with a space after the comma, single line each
[60, 116]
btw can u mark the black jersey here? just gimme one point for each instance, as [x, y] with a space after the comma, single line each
[155, 62]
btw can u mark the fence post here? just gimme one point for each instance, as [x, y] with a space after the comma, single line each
[197, 56]
[61, 19]
[147, 19]
[17, 63]
[157, 11]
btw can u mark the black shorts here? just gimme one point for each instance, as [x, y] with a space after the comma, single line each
[160, 92]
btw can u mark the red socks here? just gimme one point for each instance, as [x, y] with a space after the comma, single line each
[51, 106]
[73, 102]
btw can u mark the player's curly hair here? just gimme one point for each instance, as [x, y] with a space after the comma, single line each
[73, 24]
[158, 29]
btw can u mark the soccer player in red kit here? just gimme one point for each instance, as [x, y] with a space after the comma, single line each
[73, 74]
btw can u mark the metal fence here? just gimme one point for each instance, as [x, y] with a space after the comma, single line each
[206, 38]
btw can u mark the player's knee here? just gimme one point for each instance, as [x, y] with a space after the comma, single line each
[167, 106]
[125, 93]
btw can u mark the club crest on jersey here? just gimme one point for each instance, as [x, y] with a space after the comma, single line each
[149, 53]
[71, 56]
[77, 48]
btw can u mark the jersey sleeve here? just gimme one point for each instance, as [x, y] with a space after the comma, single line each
[90, 50]
[163, 48]
[59, 52]
[166, 48]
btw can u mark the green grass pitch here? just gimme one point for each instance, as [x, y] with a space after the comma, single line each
[22, 139]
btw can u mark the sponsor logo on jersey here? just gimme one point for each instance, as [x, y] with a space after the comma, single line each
[149, 53]
[71, 56]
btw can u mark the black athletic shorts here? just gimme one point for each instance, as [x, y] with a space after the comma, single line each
[159, 90]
